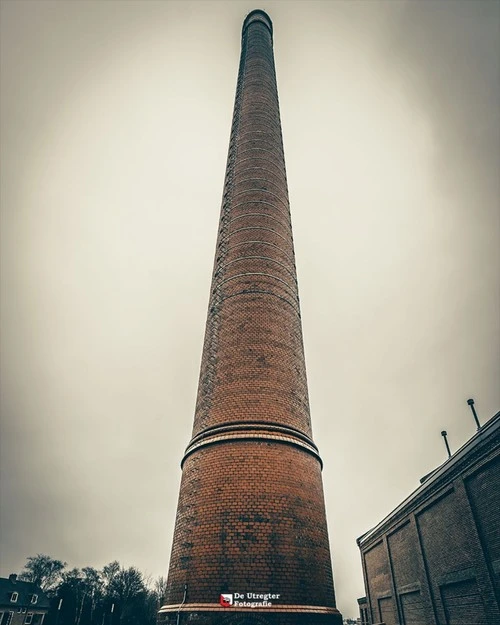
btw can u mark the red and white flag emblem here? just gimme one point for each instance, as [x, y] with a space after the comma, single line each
[226, 600]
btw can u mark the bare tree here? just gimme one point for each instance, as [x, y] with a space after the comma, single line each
[94, 583]
[44, 571]
[159, 588]
[109, 572]
[129, 591]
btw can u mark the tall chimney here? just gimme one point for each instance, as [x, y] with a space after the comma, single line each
[250, 542]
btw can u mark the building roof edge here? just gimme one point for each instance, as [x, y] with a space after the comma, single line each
[486, 431]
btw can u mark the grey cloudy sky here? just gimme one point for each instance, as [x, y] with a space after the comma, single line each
[115, 120]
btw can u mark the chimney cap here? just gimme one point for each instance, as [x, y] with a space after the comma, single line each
[470, 402]
[444, 433]
[258, 15]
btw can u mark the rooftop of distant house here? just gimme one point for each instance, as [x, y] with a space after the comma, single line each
[17, 593]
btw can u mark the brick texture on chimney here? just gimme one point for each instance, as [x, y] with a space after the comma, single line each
[251, 515]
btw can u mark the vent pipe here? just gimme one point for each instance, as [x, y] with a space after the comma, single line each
[471, 404]
[444, 434]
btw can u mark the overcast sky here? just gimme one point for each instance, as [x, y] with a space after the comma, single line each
[115, 120]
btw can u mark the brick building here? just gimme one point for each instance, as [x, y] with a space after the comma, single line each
[435, 560]
[250, 541]
[21, 603]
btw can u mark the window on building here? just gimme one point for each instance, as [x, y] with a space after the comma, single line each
[34, 598]
[28, 619]
[13, 597]
[7, 618]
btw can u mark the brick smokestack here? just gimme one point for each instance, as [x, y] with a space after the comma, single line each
[251, 515]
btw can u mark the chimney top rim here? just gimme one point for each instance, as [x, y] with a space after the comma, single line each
[258, 12]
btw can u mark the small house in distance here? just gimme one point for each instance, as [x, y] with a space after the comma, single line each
[21, 603]
[435, 559]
